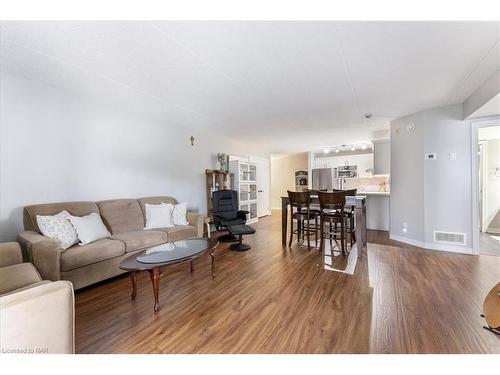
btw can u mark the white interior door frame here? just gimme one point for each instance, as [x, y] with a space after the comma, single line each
[264, 183]
[483, 183]
[475, 125]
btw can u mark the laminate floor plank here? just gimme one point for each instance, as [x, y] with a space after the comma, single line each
[400, 299]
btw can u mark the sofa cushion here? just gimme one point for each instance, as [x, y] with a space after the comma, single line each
[74, 208]
[140, 239]
[154, 200]
[26, 287]
[78, 256]
[121, 215]
[179, 232]
[18, 276]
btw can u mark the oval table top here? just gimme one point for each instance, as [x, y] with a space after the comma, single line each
[169, 253]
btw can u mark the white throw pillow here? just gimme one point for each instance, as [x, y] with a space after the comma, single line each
[158, 215]
[58, 228]
[179, 214]
[89, 228]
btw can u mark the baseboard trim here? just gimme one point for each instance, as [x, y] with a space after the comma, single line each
[409, 241]
[431, 245]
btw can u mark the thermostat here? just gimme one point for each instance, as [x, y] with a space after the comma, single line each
[431, 156]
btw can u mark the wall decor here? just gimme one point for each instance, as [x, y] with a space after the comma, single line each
[223, 160]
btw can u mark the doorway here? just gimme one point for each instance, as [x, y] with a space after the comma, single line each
[488, 189]
[263, 185]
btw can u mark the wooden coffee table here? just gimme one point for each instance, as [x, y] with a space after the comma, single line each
[154, 258]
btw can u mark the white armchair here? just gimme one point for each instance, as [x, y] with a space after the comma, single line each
[36, 316]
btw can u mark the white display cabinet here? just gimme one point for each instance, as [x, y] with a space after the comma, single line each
[246, 185]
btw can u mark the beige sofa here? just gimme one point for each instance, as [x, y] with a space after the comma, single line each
[97, 261]
[36, 316]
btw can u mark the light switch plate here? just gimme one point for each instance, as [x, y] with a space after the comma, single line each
[453, 156]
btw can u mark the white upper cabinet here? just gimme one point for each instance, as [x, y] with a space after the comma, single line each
[382, 156]
[364, 162]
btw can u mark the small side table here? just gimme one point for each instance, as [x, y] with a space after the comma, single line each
[207, 222]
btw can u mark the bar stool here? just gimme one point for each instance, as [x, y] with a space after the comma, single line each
[332, 213]
[314, 207]
[349, 214]
[303, 215]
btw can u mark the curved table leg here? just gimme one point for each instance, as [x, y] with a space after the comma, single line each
[133, 277]
[155, 280]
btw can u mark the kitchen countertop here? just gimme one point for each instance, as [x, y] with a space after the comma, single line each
[374, 193]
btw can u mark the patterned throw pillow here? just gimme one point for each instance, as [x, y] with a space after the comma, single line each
[58, 228]
[179, 214]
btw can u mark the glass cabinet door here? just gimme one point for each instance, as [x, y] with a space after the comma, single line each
[244, 192]
[253, 211]
[244, 172]
[252, 175]
[253, 191]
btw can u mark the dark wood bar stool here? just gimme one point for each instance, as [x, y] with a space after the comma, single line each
[314, 206]
[349, 214]
[301, 201]
[331, 216]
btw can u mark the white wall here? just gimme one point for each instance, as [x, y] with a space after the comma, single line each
[283, 170]
[56, 146]
[407, 177]
[448, 190]
[431, 194]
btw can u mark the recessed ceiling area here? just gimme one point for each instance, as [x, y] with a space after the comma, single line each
[490, 108]
[291, 86]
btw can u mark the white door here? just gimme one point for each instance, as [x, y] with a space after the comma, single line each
[263, 186]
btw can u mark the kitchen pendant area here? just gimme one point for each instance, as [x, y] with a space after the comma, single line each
[365, 167]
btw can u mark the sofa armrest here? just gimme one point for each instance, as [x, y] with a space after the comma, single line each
[39, 320]
[43, 252]
[197, 220]
[10, 253]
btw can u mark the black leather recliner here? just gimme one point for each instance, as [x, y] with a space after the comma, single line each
[226, 212]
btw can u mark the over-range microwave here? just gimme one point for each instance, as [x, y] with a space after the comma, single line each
[348, 171]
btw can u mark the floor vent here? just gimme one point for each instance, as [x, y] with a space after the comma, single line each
[449, 238]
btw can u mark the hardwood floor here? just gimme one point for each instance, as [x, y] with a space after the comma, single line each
[488, 245]
[400, 299]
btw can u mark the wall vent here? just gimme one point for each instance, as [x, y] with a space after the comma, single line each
[449, 238]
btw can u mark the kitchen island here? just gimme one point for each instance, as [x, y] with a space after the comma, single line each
[377, 209]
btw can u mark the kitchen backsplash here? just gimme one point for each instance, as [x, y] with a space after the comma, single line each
[375, 183]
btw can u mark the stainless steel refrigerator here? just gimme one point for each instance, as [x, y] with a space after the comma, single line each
[325, 178]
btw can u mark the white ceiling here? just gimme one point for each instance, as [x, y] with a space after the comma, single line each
[291, 86]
